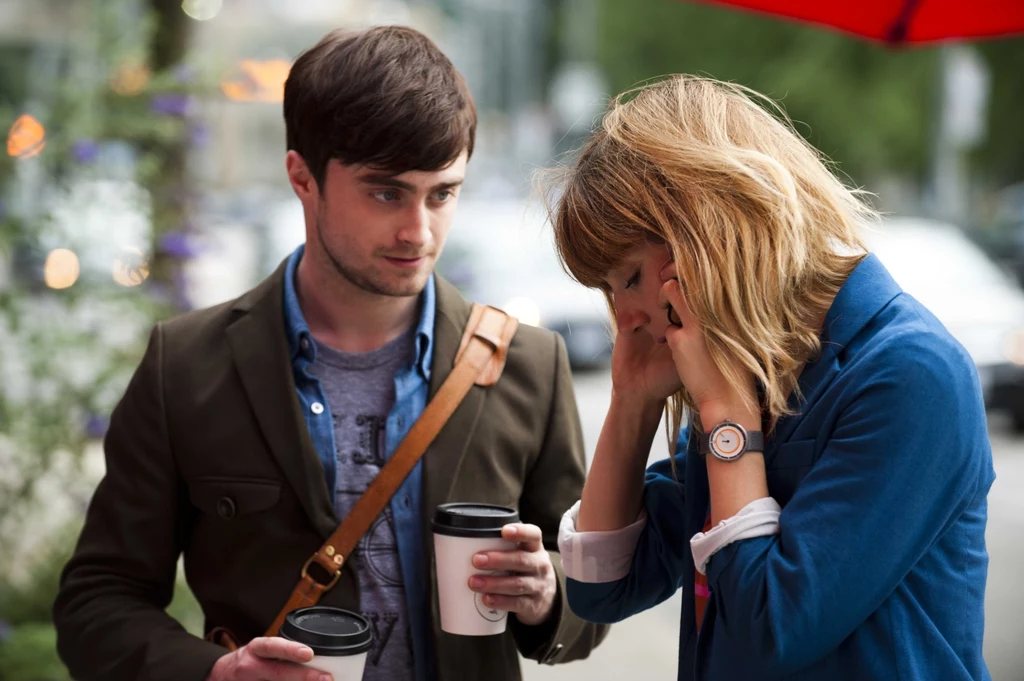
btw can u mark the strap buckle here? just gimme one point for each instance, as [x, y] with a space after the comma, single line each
[490, 331]
[305, 574]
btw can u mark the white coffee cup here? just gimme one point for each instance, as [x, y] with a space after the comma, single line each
[340, 639]
[460, 532]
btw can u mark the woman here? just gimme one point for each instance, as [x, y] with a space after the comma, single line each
[826, 519]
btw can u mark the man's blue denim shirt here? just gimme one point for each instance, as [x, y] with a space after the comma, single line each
[412, 384]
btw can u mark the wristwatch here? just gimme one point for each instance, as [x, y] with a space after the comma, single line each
[729, 441]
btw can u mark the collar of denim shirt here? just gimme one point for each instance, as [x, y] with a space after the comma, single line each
[297, 329]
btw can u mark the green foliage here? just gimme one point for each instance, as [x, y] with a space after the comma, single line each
[1000, 156]
[27, 638]
[30, 600]
[868, 107]
[29, 654]
[185, 608]
[68, 354]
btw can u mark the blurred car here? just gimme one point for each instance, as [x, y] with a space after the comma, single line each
[981, 305]
[501, 253]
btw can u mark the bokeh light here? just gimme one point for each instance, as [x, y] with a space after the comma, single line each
[131, 267]
[258, 81]
[1014, 347]
[524, 309]
[61, 269]
[26, 138]
[202, 10]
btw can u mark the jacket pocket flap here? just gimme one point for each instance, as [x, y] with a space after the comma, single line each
[228, 497]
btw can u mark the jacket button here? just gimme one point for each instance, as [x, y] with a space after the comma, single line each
[226, 508]
[551, 656]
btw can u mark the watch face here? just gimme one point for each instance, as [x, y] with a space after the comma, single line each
[728, 441]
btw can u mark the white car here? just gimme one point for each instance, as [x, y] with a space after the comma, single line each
[980, 304]
[501, 253]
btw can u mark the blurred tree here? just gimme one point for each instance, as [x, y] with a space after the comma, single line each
[862, 105]
[1001, 157]
[869, 108]
[173, 197]
[115, 100]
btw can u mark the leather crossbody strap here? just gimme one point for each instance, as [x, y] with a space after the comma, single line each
[480, 360]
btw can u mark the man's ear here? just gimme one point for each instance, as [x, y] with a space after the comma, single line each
[299, 176]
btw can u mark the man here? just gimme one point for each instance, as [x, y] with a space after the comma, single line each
[251, 428]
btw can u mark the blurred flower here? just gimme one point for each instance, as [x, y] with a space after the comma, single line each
[178, 245]
[199, 135]
[26, 138]
[96, 426]
[181, 298]
[130, 79]
[184, 73]
[85, 151]
[170, 104]
[158, 291]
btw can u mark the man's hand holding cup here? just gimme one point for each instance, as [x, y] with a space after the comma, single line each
[530, 587]
[267, 658]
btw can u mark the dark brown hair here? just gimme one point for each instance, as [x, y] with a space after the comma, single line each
[386, 97]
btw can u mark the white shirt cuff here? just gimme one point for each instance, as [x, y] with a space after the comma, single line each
[605, 556]
[759, 518]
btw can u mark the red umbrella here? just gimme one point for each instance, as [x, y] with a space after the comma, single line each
[900, 21]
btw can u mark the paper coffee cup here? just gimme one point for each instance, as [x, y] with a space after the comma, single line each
[460, 532]
[339, 639]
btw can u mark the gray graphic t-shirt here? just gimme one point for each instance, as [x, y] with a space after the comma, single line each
[360, 390]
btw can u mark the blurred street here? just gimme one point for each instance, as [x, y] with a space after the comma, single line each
[645, 646]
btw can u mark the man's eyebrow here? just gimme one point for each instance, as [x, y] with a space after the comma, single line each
[385, 180]
[447, 185]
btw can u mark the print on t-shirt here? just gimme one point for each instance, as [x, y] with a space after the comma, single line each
[360, 392]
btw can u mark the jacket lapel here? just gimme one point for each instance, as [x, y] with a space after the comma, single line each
[866, 292]
[260, 349]
[444, 457]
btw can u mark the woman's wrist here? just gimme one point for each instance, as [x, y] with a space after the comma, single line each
[734, 484]
[640, 409]
[613, 492]
[712, 415]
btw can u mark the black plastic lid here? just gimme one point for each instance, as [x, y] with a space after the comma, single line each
[473, 520]
[331, 632]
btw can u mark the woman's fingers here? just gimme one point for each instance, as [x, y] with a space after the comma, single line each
[671, 296]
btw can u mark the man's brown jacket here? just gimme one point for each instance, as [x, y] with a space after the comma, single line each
[208, 456]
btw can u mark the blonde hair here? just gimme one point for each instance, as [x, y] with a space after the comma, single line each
[762, 233]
